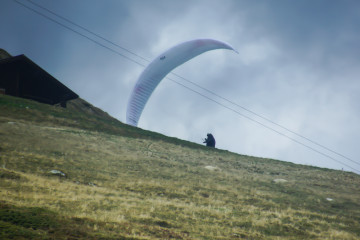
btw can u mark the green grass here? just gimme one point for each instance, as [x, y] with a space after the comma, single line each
[126, 183]
[40, 223]
[56, 116]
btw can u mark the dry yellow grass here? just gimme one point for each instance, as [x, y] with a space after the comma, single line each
[118, 186]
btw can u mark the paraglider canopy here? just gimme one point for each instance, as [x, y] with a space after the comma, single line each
[160, 67]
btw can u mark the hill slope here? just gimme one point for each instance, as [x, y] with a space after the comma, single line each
[126, 183]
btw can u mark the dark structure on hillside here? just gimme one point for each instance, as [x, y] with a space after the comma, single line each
[21, 77]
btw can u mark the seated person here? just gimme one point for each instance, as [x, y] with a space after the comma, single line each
[210, 140]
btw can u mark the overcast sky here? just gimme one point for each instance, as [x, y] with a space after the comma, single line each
[298, 66]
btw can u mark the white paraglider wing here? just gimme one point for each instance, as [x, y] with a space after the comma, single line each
[160, 67]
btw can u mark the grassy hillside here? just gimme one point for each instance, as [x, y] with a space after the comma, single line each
[125, 183]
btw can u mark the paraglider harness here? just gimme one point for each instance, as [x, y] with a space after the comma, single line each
[210, 140]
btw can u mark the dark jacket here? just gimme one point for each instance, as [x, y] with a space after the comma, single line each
[210, 140]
